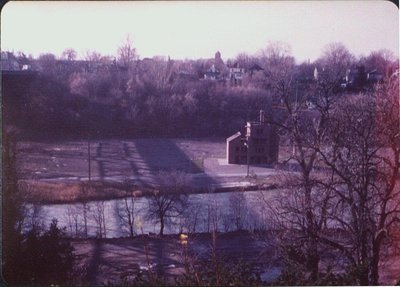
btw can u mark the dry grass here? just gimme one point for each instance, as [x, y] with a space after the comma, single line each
[67, 192]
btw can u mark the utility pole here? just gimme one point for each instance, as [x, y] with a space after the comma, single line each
[89, 163]
[248, 157]
[247, 144]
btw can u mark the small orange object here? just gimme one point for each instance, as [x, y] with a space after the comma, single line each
[183, 238]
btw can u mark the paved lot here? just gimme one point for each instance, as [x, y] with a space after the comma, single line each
[137, 160]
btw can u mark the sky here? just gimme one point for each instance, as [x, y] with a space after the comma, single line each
[197, 29]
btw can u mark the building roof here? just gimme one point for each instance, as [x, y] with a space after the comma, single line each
[256, 67]
[235, 136]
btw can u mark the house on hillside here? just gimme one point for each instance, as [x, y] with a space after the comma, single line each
[356, 78]
[255, 68]
[212, 74]
[374, 76]
[73, 65]
[236, 74]
[9, 62]
[218, 70]
[260, 144]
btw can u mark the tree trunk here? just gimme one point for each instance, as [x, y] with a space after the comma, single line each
[85, 218]
[312, 244]
[131, 231]
[104, 225]
[130, 217]
[363, 275]
[161, 226]
[375, 262]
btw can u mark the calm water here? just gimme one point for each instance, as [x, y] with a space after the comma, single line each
[226, 211]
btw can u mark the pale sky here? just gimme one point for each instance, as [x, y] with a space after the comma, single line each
[198, 29]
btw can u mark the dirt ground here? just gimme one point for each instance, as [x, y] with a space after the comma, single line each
[110, 259]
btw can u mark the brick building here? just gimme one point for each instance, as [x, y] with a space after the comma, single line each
[260, 144]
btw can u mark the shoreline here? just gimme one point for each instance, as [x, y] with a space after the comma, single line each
[47, 192]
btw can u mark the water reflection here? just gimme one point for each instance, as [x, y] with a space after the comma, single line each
[125, 217]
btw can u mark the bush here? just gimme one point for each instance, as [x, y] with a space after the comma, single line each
[46, 258]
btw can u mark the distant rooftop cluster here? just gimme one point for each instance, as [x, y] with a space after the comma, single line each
[232, 72]
[241, 71]
[9, 62]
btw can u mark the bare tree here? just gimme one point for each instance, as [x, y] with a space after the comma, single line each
[380, 60]
[126, 212]
[169, 199]
[99, 217]
[191, 217]
[69, 219]
[47, 63]
[159, 72]
[73, 215]
[298, 127]
[95, 57]
[69, 54]
[278, 66]
[244, 60]
[85, 188]
[213, 218]
[238, 208]
[127, 53]
[305, 129]
[298, 231]
[363, 156]
[34, 217]
[335, 62]
[347, 153]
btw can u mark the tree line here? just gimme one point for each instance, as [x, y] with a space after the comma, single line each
[125, 96]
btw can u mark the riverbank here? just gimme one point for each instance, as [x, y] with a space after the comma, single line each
[48, 192]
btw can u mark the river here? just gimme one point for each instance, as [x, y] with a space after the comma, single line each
[226, 211]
